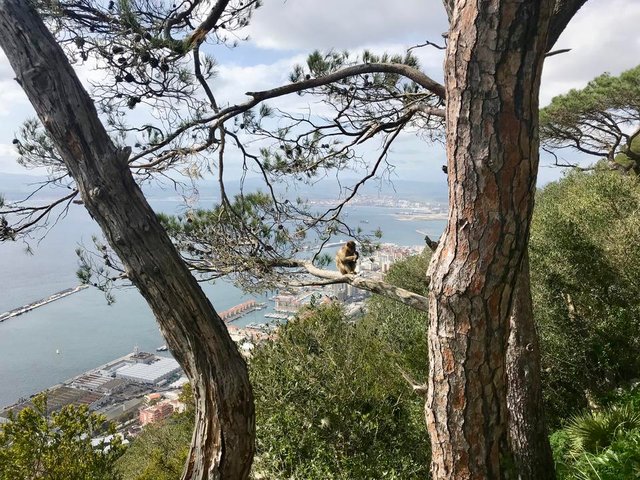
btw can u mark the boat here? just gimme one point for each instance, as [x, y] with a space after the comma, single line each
[163, 348]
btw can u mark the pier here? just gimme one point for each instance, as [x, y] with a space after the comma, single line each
[31, 306]
[238, 311]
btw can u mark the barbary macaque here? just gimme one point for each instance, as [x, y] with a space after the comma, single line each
[347, 258]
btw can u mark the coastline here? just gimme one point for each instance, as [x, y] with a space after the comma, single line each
[412, 217]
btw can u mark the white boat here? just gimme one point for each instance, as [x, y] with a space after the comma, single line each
[163, 348]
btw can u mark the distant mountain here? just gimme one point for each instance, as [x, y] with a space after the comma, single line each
[330, 189]
[17, 186]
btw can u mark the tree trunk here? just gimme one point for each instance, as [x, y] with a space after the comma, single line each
[223, 440]
[528, 435]
[492, 75]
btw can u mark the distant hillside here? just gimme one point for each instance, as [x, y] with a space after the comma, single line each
[330, 189]
[17, 186]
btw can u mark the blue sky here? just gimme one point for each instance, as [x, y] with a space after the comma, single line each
[603, 37]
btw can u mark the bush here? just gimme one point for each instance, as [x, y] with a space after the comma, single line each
[160, 451]
[402, 328]
[584, 263]
[331, 404]
[38, 444]
[602, 445]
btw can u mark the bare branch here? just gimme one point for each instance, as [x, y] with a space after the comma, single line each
[375, 286]
[563, 12]
[200, 33]
[398, 68]
[427, 44]
[418, 388]
[433, 245]
[557, 52]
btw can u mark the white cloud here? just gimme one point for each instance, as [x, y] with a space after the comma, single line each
[8, 156]
[309, 24]
[233, 81]
[11, 95]
[603, 37]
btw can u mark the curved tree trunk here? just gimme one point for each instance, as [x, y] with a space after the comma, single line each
[492, 75]
[223, 441]
[528, 435]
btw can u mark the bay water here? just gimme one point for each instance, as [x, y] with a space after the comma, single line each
[64, 338]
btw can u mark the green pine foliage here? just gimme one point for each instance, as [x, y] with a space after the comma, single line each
[603, 93]
[600, 120]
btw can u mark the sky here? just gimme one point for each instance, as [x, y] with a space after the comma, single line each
[603, 37]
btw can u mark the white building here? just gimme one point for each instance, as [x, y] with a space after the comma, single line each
[151, 373]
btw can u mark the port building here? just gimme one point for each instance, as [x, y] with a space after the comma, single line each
[155, 413]
[149, 373]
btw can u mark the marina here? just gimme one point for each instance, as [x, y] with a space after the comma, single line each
[240, 310]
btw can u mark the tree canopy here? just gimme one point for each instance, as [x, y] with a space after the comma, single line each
[601, 120]
[43, 445]
[584, 261]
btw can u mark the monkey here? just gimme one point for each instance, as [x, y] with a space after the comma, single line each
[347, 257]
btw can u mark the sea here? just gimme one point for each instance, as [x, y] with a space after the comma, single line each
[64, 338]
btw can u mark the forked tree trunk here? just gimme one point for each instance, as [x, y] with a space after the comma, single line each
[492, 75]
[528, 435]
[223, 440]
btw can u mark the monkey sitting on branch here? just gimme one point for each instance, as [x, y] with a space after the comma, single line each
[347, 258]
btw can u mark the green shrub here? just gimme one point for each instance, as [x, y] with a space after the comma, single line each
[331, 404]
[160, 451]
[601, 445]
[593, 432]
[39, 444]
[584, 269]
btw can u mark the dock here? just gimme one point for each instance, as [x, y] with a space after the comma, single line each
[278, 316]
[240, 310]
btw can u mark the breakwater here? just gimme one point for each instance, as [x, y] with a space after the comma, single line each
[31, 306]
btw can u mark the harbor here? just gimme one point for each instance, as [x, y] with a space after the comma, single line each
[234, 313]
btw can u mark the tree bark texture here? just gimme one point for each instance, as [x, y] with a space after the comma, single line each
[492, 74]
[528, 436]
[223, 440]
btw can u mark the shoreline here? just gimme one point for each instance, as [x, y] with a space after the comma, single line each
[411, 217]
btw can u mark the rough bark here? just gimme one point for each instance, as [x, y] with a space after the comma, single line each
[223, 441]
[527, 429]
[492, 75]
[563, 12]
[528, 434]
